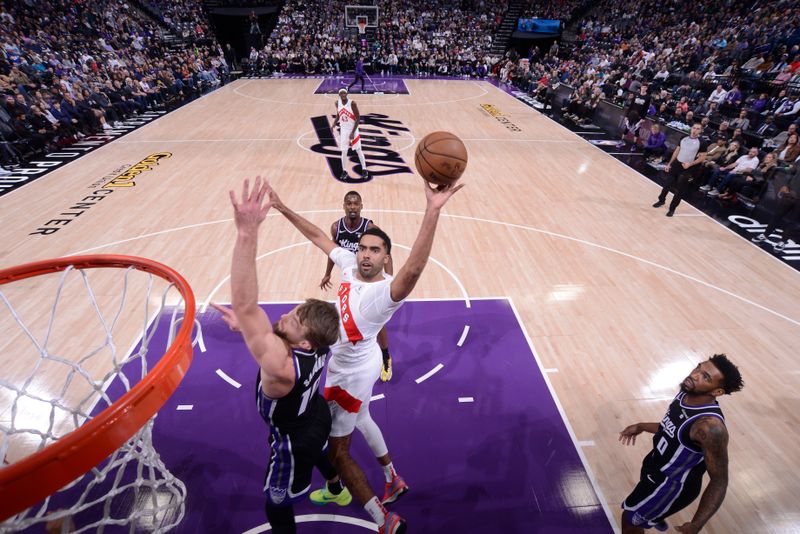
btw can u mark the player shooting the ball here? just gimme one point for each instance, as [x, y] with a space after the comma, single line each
[367, 299]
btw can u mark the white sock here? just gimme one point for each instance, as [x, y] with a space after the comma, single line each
[344, 153]
[362, 160]
[376, 510]
[389, 472]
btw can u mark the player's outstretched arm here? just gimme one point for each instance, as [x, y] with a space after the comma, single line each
[313, 233]
[410, 272]
[711, 434]
[267, 349]
[629, 433]
[325, 283]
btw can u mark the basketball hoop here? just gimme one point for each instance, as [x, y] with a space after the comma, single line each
[123, 428]
[361, 23]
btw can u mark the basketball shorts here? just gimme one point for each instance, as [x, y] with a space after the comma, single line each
[657, 497]
[345, 138]
[294, 455]
[348, 390]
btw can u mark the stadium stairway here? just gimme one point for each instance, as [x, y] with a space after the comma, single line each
[507, 26]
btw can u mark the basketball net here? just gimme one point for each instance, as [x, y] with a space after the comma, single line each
[132, 487]
[362, 25]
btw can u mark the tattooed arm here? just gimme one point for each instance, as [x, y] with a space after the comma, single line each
[711, 434]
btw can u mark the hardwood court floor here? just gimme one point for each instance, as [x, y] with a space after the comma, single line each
[619, 301]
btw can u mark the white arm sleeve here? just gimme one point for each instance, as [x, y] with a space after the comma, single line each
[343, 258]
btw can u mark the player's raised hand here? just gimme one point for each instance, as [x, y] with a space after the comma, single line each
[251, 210]
[628, 435]
[439, 195]
[274, 199]
[228, 316]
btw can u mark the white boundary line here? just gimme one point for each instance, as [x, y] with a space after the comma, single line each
[480, 86]
[463, 335]
[426, 299]
[648, 180]
[463, 290]
[502, 223]
[226, 378]
[313, 518]
[430, 373]
[567, 424]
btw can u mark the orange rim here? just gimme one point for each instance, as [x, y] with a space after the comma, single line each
[30, 480]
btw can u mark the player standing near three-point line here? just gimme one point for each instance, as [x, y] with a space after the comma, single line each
[348, 118]
[346, 232]
[367, 299]
[690, 440]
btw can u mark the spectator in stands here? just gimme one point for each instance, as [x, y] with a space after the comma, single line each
[789, 151]
[751, 184]
[758, 105]
[722, 131]
[738, 135]
[631, 125]
[655, 146]
[744, 164]
[718, 95]
[788, 111]
[782, 137]
[767, 128]
[711, 168]
[741, 122]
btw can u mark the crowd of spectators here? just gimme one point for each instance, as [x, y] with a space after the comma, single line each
[70, 68]
[562, 10]
[186, 17]
[438, 37]
[732, 66]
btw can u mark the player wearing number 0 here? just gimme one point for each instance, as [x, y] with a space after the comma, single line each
[348, 118]
[346, 232]
[291, 356]
[690, 440]
[367, 299]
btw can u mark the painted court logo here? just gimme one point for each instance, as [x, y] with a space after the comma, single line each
[377, 132]
[125, 179]
[750, 227]
[499, 117]
[119, 178]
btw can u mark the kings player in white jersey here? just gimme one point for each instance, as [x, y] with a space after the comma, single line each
[348, 118]
[367, 299]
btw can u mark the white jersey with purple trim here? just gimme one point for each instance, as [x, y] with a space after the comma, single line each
[364, 308]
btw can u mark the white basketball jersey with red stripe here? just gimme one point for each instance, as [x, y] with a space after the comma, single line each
[347, 119]
[364, 308]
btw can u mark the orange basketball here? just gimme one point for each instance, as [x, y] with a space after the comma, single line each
[441, 158]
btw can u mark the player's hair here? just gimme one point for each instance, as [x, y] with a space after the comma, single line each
[731, 377]
[352, 194]
[321, 320]
[374, 230]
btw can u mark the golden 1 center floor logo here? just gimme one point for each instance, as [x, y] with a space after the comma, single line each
[500, 117]
[121, 177]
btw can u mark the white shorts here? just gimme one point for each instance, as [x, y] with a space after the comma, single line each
[345, 138]
[348, 390]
